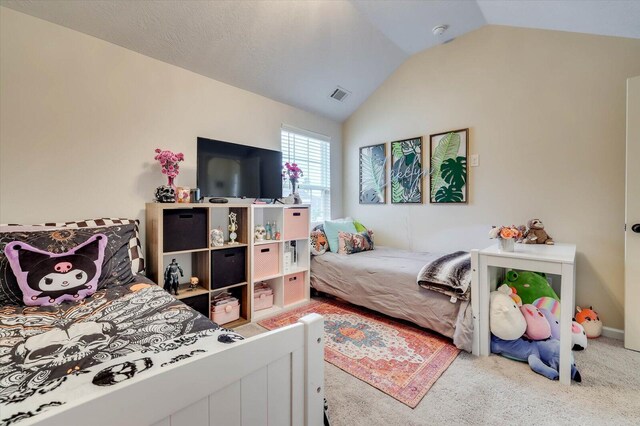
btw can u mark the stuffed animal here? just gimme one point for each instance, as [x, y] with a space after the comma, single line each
[548, 303]
[578, 336]
[530, 286]
[589, 319]
[554, 323]
[543, 356]
[511, 292]
[505, 319]
[536, 233]
[538, 327]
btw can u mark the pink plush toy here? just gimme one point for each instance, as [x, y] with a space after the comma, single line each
[538, 327]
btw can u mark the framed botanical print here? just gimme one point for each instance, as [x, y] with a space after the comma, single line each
[448, 177]
[406, 171]
[373, 174]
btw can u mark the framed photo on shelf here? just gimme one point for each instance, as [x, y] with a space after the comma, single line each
[406, 171]
[373, 174]
[448, 177]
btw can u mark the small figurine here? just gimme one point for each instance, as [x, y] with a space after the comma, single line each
[171, 280]
[217, 238]
[259, 233]
[193, 283]
[165, 194]
[233, 227]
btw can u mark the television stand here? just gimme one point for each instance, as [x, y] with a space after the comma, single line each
[277, 200]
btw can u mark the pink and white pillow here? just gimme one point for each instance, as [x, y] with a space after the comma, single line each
[350, 243]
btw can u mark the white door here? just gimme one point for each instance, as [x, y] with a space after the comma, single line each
[632, 219]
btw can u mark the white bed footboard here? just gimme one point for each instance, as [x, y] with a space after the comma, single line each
[275, 378]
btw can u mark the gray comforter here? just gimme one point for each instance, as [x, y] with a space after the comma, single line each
[384, 280]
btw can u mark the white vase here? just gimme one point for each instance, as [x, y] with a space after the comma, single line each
[506, 244]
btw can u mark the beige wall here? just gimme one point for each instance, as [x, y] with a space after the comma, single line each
[80, 118]
[546, 112]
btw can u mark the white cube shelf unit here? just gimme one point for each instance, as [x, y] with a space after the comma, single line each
[289, 280]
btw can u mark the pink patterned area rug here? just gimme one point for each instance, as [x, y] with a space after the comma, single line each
[401, 360]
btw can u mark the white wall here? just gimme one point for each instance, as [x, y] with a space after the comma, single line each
[80, 119]
[546, 112]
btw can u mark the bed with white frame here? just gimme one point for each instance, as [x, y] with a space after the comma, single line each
[275, 378]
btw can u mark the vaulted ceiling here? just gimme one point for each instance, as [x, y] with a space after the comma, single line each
[297, 52]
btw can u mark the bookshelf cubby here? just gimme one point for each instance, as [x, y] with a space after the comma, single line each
[182, 232]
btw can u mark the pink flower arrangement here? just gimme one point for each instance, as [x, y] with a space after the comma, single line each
[292, 172]
[506, 232]
[169, 162]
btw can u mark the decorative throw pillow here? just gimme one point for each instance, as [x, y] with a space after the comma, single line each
[349, 243]
[319, 243]
[333, 227]
[116, 267]
[135, 246]
[359, 227]
[48, 278]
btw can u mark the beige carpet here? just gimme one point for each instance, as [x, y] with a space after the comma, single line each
[498, 391]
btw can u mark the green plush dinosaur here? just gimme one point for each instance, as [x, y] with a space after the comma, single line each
[529, 286]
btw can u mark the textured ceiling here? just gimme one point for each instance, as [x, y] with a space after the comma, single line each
[297, 52]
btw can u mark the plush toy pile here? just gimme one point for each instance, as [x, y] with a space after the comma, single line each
[525, 324]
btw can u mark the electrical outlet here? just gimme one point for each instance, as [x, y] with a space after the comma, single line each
[474, 161]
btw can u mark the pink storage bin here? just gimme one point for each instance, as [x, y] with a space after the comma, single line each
[266, 260]
[262, 301]
[225, 313]
[296, 223]
[293, 288]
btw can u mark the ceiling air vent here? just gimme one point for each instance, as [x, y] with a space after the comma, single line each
[339, 94]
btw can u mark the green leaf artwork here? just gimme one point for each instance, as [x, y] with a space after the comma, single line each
[454, 172]
[449, 194]
[406, 171]
[447, 148]
[448, 174]
[372, 174]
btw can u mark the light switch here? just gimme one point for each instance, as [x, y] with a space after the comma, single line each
[474, 160]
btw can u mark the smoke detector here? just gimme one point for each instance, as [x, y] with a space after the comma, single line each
[439, 30]
[339, 94]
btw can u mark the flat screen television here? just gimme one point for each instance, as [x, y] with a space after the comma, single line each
[231, 170]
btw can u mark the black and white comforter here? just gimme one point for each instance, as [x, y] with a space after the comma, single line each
[449, 274]
[57, 354]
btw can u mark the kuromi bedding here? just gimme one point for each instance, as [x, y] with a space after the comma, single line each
[51, 355]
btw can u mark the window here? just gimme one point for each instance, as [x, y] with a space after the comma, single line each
[311, 152]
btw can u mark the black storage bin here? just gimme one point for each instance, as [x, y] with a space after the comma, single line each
[185, 229]
[198, 303]
[228, 267]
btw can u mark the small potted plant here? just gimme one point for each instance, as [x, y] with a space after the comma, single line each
[292, 172]
[506, 235]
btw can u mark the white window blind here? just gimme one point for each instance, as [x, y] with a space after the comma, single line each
[311, 152]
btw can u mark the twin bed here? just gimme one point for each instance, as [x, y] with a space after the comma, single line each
[132, 354]
[384, 280]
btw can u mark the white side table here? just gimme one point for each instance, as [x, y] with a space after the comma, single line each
[558, 259]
